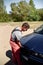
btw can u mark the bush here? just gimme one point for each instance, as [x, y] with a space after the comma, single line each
[5, 18]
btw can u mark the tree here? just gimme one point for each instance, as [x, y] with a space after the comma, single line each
[33, 15]
[31, 3]
[14, 12]
[13, 7]
[40, 12]
[24, 11]
[20, 10]
[2, 7]
[4, 17]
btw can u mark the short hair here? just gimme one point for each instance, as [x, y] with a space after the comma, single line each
[26, 25]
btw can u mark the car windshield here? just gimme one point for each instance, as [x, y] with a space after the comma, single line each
[39, 30]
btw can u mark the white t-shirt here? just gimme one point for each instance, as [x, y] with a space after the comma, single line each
[17, 33]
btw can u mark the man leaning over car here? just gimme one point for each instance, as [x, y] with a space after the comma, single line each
[16, 35]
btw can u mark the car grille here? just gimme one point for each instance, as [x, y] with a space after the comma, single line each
[31, 52]
[36, 54]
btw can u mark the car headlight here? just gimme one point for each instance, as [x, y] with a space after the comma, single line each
[36, 54]
[39, 55]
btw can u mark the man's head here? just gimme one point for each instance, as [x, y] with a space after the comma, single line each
[25, 26]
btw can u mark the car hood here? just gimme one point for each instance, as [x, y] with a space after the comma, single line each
[33, 42]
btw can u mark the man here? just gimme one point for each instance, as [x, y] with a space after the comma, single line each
[16, 35]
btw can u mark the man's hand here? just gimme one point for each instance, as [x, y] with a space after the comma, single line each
[19, 44]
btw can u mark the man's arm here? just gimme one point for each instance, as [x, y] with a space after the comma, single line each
[19, 43]
[19, 36]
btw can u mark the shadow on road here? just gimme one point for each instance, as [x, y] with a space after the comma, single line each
[9, 54]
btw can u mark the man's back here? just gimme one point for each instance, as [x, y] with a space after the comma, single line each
[16, 34]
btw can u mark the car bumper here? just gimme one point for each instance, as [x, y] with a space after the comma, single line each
[32, 59]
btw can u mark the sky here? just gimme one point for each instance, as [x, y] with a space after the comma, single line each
[38, 4]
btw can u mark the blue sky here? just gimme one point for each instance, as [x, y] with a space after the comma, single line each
[38, 3]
